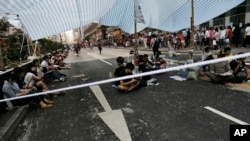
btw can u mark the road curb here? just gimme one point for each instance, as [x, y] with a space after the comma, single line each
[12, 123]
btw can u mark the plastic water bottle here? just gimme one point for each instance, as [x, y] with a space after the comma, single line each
[110, 75]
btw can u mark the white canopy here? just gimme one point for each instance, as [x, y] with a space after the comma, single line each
[42, 18]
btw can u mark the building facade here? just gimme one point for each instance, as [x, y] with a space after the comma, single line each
[239, 15]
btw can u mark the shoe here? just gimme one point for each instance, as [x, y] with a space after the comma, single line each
[150, 84]
[114, 86]
[56, 80]
[62, 79]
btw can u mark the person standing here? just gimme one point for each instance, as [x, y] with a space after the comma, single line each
[229, 35]
[236, 34]
[248, 34]
[156, 46]
[99, 45]
[222, 37]
[243, 36]
[77, 48]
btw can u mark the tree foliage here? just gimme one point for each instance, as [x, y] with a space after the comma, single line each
[11, 44]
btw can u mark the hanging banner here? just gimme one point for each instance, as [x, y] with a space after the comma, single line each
[138, 13]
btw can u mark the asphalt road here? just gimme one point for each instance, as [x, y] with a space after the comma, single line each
[171, 111]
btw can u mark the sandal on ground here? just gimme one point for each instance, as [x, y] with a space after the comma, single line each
[48, 101]
[46, 106]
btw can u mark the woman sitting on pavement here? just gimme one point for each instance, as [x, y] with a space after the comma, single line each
[21, 73]
[11, 89]
[33, 81]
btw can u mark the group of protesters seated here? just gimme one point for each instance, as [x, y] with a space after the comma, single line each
[234, 71]
[144, 64]
[230, 71]
[21, 82]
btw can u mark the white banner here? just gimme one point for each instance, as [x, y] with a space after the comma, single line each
[138, 13]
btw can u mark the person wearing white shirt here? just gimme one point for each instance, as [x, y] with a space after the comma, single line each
[248, 34]
[222, 37]
[32, 80]
[50, 72]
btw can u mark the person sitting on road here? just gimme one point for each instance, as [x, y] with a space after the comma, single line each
[21, 73]
[33, 81]
[160, 63]
[57, 59]
[145, 65]
[49, 72]
[220, 72]
[128, 85]
[11, 89]
[37, 63]
[240, 71]
[228, 52]
[119, 70]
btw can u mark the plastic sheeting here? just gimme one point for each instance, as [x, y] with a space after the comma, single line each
[50, 17]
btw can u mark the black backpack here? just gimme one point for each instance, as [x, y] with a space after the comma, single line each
[156, 44]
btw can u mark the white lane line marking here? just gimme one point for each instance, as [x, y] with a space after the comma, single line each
[106, 62]
[226, 116]
[101, 98]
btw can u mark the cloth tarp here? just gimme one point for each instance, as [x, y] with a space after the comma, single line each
[50, 17]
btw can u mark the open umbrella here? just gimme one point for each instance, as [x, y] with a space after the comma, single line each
[49, 17]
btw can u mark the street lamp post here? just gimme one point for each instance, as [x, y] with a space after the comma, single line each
[192, 25]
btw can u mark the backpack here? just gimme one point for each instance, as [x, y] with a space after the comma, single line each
[156, 44]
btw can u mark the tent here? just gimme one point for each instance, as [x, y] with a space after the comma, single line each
[42, 18]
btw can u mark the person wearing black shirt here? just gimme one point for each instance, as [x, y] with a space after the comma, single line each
[121, 67]
[128, 85]
[240, 71]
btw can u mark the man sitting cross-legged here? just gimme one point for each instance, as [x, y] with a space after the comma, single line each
[220, 72]
[128, 85]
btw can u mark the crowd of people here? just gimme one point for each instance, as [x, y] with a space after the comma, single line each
[35, 78]
[231, 71]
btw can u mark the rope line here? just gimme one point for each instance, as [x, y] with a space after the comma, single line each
[132, 76]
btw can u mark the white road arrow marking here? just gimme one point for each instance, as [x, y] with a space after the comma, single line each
[114, 119]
